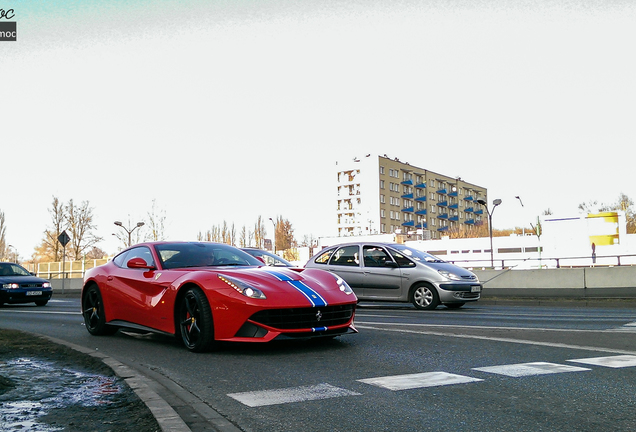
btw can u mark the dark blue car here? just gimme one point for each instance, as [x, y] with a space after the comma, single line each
[17, 285]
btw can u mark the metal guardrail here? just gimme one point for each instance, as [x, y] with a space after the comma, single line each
[550, 262]
[64, 270]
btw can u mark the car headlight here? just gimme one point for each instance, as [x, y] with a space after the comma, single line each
[344, 286]
[449, 275]
[46, 285]
[246, 289]
[10, 286]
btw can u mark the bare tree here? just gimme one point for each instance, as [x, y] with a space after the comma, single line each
[284, 234]
[259, 232]
[50, 249]
[4, 249]
[156, 224]
[243, 237]
[80, 227]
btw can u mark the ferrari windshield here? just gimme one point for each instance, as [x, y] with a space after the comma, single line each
[184, 255]
[416, 255]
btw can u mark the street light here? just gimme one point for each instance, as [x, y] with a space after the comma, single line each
[273, 236]
[495, 203]
[129, 230]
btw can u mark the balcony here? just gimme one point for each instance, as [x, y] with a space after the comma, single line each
[407, 183]
[454, 206]
[442, 191]
[469, 209]
[453, 194]
[442, 216]
[408, 210]
[408, 196]
[469, 198]
[443, 203]
[420, 199]
[445, 228]
[454, 218]
[469, 221]
[409, 224]
[479, 212]
[421, 212]
[421, 185]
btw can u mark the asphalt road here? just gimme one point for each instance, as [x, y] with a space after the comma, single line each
[483, 367]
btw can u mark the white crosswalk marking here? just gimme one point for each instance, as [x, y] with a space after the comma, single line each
[411, 381]
[620, 361]
[288, 395]
[529, 369]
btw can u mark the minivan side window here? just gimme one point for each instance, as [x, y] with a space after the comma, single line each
[374, 256]
[324, 257]
[401, 259]
[346, 256]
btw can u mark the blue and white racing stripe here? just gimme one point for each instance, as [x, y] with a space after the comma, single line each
[311, 294]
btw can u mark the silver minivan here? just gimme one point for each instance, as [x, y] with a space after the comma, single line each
[395, 272]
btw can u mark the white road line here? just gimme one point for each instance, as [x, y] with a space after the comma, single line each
[39, 312]
[463, 326]
[621, 361]
[495, 339]
[419, 380]
[288, 395]
[530, 369]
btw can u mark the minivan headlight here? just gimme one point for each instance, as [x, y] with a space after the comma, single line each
[449, 275]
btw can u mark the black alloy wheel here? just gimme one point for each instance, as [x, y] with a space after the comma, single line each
[195, 321]
[93, 312]
[424, 297]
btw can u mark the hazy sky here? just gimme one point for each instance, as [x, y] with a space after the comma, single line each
[227, 110]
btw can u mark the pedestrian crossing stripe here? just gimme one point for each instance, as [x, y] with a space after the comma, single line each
[530, 369]
[620, 361]
[289, 395]
[419, 380]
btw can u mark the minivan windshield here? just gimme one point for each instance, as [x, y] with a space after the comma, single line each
[416, 255]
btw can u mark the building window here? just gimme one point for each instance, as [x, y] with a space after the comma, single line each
[381, 169]
[381, 184]
[382, 199]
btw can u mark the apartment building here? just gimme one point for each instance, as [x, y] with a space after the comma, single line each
[382, 195]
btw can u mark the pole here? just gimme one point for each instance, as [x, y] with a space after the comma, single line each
[63, 266]
[492, 256]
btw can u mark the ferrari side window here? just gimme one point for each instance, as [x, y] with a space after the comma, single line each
[140, 252]
[120, 260]
[346, 256]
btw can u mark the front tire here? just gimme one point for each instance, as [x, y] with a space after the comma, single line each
[195, 321]
[424, 297]
[93, 312]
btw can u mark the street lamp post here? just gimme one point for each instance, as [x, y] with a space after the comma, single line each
[129, 230]
[273, 236]
[490, 212]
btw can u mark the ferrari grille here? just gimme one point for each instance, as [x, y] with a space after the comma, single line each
[303, 318]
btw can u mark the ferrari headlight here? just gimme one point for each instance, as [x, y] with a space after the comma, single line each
[10, 286]
[243, 288]
[344, 286]
[449, 275]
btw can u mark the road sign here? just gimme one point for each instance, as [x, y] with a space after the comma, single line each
[63, 238]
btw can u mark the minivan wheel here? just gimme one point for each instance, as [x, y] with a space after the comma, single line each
[424, 297]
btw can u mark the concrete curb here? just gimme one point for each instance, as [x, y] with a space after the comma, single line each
[166, 416]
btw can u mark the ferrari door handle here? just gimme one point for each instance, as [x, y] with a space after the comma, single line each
[109, 278]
